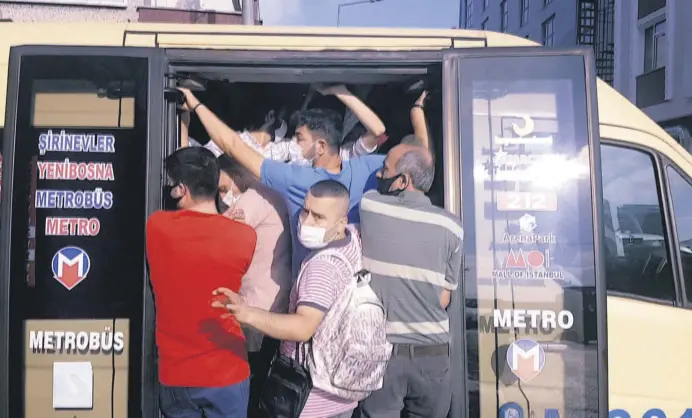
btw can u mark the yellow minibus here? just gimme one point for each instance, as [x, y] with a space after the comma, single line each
[577, 279]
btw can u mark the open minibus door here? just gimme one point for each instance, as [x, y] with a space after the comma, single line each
[521, 134]
[83, 152]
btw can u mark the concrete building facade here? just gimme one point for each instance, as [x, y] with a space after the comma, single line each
[159, 11]
[653, 61]
[551, 22]
[558, 23]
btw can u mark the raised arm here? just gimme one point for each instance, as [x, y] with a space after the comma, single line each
[373, 124]
[185, 129]
[223, 136]
[420, 125]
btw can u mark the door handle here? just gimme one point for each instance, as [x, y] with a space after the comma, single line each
[172, 94]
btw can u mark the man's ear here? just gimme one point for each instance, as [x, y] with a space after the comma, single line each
[322, 147]
[404, 181]
[341, 224]
[183, 190]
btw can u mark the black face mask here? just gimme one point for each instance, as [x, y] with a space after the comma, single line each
[384, 185]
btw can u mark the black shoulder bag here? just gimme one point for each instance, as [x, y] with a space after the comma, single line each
[287, 386]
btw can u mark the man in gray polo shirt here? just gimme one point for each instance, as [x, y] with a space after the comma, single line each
[413, 251]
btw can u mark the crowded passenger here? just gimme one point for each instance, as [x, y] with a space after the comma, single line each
[268, 281]
[271, 142]
[325, 189]
[203, 367]
[419, 123]
[319, 134]
[412, 250]
[334, 259]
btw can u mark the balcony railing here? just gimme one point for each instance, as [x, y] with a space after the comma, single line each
[646, 7]
[651, 88]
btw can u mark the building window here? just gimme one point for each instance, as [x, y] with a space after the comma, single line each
[485, 4]
[548, 29]
[655, 47]
[469, 13]
[484, 25]
[646, 7]
[524, 16]
[80, 104]
[636, 246]
[681, 191]
[504, 16]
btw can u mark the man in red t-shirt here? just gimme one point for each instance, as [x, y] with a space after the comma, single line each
[203, 368]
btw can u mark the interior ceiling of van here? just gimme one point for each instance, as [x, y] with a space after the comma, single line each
[313, 75]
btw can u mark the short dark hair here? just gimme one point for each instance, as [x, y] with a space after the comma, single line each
[331, 188]
[418, 163]
[197, 169]
[235, 171]
[411, 139]
[325, 123]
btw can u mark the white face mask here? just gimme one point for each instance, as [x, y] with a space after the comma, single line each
[230, 200]
[312, 237]
[280, 133]
[296, 154]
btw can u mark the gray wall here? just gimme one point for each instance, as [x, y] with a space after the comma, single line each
[168, 11]
[565, 19]
[28, 12]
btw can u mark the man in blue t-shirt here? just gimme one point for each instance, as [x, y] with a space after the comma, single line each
[318, 134]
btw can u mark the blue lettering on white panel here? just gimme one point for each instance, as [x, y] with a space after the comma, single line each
[654, 413]
[619, 413]
[552, 413]
[64, 142]
[74, 199]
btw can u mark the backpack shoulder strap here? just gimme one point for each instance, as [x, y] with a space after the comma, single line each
[325, 254]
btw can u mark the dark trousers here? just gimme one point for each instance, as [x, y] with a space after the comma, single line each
[417, 382]
[260, 361]
[222, 402]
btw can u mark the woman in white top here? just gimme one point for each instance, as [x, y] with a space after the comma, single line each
[270, 139]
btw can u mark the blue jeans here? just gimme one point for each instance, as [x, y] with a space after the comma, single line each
[223, 402]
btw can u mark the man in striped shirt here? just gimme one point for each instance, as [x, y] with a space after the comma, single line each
[322, 279]
[413, 252]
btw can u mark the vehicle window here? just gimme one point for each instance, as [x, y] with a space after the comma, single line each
[637, 259]
[681, 190]
[80, 104]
